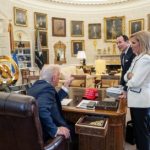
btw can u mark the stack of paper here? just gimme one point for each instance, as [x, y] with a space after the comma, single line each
[114, 91]
[65, 101]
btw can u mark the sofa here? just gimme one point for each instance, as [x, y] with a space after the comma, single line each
[81, 79]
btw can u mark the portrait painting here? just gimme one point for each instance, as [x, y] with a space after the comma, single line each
[45, 53]
[136, 25]
[76, 45]
[94, 31]
[43, 39]
[20, 17]
[77, 28]
[40, 20]
[58, 26]
[148, 22]
[113, 27]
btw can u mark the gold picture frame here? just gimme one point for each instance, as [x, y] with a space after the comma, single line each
[113, 27]
[60, 53]
[77, 28]
[136, 25]
[20, 17]
[40, 21]
[94, 31]
[58, 27]
[76, 45]
[148, 22]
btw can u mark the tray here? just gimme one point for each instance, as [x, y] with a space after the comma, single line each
[92, 126]
[107, 105]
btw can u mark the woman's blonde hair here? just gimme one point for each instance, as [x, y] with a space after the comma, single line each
[143, 37]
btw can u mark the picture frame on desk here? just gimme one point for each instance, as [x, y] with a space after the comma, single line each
[136, 25]
[113, 27]
[40, 20]
[76, 45]
[77, 28]
[59, 27]
[94, 31]
[20, 17]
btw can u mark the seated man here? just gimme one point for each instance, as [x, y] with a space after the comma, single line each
[50, 111]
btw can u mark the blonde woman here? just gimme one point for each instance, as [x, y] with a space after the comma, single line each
[138, 82]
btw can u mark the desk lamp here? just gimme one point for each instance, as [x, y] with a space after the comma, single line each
[81, 55]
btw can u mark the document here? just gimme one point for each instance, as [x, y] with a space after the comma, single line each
[87, 104]
[65, 101]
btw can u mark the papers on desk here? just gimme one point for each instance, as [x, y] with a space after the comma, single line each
[87, 104]
[65, 101]
[114, 91]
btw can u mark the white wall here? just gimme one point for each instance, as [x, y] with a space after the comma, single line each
[135, 9]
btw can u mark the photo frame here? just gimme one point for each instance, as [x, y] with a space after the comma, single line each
[113, 27]
[136, 25]
[77, 28]
[20, 17]
[148, 22]
[76, 45]
[59, 27]
[40, 21]
[94, 31]
[43, 38]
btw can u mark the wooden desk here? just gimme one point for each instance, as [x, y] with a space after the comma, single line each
[116, 129]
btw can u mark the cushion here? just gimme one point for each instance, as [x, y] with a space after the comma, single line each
[80, 71]
[67, 71]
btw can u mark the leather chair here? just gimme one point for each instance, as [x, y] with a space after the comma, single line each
[20, 127]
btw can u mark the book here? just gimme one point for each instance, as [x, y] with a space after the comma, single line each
[87, 104]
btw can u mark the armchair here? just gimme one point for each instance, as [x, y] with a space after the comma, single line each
[20, 127]
[81, 79]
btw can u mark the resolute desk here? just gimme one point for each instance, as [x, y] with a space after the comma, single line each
[116, 127]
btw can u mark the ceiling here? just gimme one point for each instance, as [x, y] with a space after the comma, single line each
[90, 2]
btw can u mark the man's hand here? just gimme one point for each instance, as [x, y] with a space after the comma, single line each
[123, 95]
[63, 131]
[68, 82]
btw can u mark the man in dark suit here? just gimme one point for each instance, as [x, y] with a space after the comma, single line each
[49, 102]
[126, 58]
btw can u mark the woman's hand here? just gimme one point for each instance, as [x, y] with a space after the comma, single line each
[129, 75]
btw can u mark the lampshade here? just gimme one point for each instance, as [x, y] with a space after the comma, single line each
[81, 55]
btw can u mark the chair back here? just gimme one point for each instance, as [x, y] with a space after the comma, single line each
[110, 81]
[20, 127]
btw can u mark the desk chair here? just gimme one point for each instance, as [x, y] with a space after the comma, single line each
[20, 127]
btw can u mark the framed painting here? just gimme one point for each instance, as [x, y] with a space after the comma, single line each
[76, 45]
[45, 53]
[94, 31]
[43, 38]
[40, 20]
[58, 26]
[113, 27]
[20, 17]
[77, 28]
[148, 22]
[136, 25]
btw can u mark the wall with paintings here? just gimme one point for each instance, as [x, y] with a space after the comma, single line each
[87, 15]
